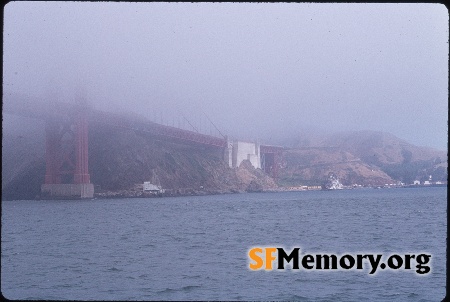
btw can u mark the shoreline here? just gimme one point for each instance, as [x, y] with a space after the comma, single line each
[191, 192]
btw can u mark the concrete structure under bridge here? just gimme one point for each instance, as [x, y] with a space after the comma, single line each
[265, 157]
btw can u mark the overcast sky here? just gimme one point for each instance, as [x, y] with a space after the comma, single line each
[257, 70]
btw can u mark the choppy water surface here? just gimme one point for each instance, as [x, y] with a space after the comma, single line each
[195, 248]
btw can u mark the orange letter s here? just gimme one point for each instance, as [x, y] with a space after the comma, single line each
[258, 261]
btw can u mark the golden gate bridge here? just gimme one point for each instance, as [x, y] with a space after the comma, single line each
[66, 141]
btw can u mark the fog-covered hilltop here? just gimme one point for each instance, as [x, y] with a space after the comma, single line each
[361, 157]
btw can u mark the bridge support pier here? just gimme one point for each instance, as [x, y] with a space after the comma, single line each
[67, 191]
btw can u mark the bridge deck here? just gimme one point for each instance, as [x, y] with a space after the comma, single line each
[34, 108]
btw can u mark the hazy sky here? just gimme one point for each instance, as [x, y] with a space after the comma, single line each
[257, 70]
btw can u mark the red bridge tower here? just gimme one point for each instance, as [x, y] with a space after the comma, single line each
[67, 173]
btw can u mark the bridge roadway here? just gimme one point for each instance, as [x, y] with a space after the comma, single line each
[23, 106]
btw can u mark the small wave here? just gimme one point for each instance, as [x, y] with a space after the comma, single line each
[183, 289]
[413, 295]
[191, 277]
[190, 287]
[297, 298]
[57, 286]
[167, 290]
[304, 280]
[197, 233]
[148, 245]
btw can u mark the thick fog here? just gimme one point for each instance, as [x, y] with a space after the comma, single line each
[258, 71]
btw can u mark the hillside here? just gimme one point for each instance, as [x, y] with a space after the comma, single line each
[397, 158]
[123, 159]
[23, 145]
[311, 166]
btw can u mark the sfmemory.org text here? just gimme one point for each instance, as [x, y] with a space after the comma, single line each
[264, 257]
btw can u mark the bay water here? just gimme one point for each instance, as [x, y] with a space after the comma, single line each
[196, 247]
